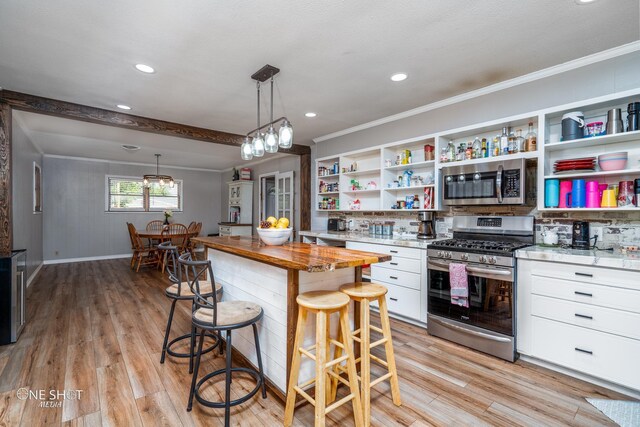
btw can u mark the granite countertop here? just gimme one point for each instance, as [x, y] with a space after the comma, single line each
[408, 241]
[596, 258]
[294, 255]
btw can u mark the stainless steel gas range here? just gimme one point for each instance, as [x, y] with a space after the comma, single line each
[486, 247]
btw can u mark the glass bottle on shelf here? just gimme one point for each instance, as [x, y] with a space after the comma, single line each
[468, 151]
[519, 141]
[531, 139]
[444, 155]
[452, 151]
[504, 142]
[477, 149]
[497, 148]
[483, 148]
[460, 153]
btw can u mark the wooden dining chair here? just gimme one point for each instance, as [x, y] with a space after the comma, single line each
[155, 225]
[178, 235]
[194, 248]
[142, 255]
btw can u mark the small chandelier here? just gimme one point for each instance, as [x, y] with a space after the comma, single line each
[272, 140]
[162, 179]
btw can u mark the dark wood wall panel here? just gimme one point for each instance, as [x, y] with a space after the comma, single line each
[305, 192]
[69, 110]
[6, 237]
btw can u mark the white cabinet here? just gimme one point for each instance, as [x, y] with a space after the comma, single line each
[405, 276]
[235, 230]
[583, 318]
[240, 202]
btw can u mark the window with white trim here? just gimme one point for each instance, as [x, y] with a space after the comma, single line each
[125, 194]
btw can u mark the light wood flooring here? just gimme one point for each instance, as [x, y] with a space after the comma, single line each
[97, 327]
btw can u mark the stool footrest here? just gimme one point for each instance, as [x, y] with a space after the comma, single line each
[305, 395]
[339, 403]
[337, 343]
[336, 361]
[377, 343]
[375, 328]
[306, 353]
[380, 361]
[339, 378]
[382, 378]
[306, 383]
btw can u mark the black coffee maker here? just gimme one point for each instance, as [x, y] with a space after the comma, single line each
[580, 235]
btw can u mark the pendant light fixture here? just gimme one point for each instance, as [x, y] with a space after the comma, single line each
[273, 140]
[161, 179]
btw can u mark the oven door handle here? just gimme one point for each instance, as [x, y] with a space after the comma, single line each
[468, 331]
[499, 184]
[495, 272]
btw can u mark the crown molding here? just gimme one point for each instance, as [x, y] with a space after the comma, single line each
[527, 78]
[89, 159]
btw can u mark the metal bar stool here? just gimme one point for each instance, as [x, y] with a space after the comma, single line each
[180, 291]
[323, 303]
[365, 293]
[213, 316]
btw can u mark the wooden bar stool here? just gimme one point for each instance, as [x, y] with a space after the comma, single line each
[365, 293]
[323, 303]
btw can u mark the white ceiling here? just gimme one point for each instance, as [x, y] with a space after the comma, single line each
[336, 56]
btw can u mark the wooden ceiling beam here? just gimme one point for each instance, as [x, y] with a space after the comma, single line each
[69, 110]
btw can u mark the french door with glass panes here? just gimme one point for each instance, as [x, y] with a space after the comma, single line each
[284, 197]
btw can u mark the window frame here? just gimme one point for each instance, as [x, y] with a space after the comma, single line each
[146, 200]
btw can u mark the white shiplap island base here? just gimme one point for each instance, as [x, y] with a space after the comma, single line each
[273, 276]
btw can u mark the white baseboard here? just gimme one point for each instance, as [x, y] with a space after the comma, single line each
[585, 377]
[34, 274]
[91, 258]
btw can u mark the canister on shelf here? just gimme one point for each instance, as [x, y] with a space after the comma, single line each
[387, 228]
[379, 228]
[428, 152]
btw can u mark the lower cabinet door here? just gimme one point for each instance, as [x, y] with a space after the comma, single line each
[607, 356]
[402, 301]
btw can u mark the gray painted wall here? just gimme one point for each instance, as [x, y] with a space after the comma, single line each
[76, 224]
[283, 164]
[27, 226]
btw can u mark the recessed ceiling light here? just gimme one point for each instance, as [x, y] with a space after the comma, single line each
[398, 77]
[130, 147]
[123, 107]
[584, 1]
[145, 68]
[310, 114]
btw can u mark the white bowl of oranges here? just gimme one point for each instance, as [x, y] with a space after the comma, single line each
[274, 232]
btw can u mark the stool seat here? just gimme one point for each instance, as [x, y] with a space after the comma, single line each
[322, 300]
[229, 313]
[185, 290]
[363, 290]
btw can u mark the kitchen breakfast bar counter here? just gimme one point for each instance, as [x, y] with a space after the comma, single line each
[273, 276]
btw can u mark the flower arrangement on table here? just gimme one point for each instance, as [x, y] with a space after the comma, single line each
[167, 214]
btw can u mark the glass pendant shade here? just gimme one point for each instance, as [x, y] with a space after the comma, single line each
[286, 134]
[258, 145]
[271, 140]
[145, 182]
[161, 182]
[172, 184]
[246, 150]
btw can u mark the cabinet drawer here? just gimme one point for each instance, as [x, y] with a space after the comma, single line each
[402, 301]
[404, 264]
[399, 251]
[224, 230]
[588, 274]
[587, 293]
[396, 277]
[602, 355]
[589, 316]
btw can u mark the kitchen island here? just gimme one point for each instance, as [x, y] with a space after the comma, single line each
[273, 276]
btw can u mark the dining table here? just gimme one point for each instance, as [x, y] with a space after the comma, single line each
[158, 234]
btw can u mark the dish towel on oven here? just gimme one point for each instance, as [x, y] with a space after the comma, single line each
[459, 284]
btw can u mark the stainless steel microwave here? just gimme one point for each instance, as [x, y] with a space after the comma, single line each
[494, 183]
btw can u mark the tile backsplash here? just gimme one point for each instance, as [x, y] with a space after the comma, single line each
[618, 227]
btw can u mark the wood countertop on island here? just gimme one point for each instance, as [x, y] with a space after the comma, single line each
[293, 255]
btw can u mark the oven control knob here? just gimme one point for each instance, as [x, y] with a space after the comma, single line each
[492, 260]
[449, 254]
[464, 257]
[439, 254]
[483, 258]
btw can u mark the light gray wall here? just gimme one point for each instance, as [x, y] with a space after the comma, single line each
[602, 78]
[27, 226]
[76, 224]
[282, 164]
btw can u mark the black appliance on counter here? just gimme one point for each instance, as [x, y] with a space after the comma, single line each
[486, 245]
[336, 224]
[580, 235]
[13, 287]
